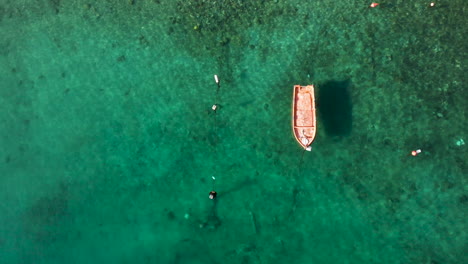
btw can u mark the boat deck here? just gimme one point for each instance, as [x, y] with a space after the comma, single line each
[304, 124]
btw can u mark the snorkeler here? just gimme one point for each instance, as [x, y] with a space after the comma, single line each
[213, 195]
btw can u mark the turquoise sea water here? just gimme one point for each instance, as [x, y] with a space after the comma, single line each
[108, 142]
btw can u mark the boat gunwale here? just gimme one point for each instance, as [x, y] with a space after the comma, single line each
[294, 127]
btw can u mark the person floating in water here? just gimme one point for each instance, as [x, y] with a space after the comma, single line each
[213, 195]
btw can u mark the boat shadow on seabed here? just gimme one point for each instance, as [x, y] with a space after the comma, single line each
[335, 108]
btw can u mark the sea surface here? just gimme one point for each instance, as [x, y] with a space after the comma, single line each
[109, 147]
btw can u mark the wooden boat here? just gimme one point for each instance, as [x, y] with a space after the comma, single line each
[303, 115]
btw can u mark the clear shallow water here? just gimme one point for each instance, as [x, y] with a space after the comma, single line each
[109, 145]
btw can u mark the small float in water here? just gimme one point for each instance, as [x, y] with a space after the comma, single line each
[303, 115]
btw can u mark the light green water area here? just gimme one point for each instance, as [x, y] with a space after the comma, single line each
[108, 143]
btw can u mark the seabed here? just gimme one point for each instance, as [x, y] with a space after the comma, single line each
[109, 143]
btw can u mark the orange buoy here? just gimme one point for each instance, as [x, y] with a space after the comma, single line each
[374, 5]
[415, 152]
